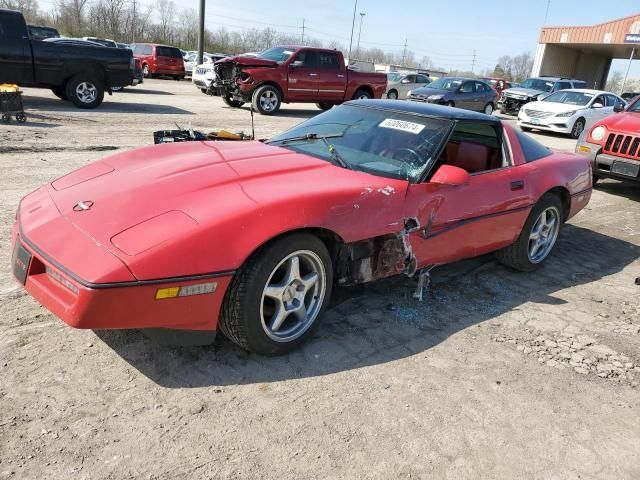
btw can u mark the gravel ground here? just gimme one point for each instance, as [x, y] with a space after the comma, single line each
[496, 374]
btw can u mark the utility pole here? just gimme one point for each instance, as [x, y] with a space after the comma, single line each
[302, 42]
[133, 24]
[473, 62]
[353, 24]
[633, 52]
[404, 52]
[359, 33]
[546, 15]
[201, 35]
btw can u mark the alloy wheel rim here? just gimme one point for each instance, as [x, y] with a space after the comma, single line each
[86, 92]
[543, 235]
[577, 128]
[392, 96]
[292, 296]
[268, 101]
[488, 109]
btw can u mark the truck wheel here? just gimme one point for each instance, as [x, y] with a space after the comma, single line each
[85, 92]
[60, 92]
[203, 90]
[230, 101]
[324, 106]
[266, 100]
[361, 94]
[537, 238]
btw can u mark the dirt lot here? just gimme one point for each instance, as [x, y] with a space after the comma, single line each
[495, 375]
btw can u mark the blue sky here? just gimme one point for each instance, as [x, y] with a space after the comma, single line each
[448, 31]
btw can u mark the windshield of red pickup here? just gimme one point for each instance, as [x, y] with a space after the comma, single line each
[277, 54]
[382, 142]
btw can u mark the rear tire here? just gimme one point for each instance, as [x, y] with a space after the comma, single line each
[450, 104]
[85, 91]
[267, 100]
[268, 287]
[362, 94]
[60, 92]
[324, 106]
[488, 109]
[526, 129]
[522, 255]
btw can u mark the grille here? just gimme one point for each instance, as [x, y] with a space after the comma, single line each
[537, 113]
[621, 144]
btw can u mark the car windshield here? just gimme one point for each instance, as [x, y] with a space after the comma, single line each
[394, 77]
[538, 84]
[570, 97]
[635, 106]
[386, 143]
[277, 54]
[450, 84]
[491, 82]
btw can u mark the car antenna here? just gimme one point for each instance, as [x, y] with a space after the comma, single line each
[253, 130]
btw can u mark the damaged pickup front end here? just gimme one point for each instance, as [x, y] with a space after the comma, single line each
[235, 78]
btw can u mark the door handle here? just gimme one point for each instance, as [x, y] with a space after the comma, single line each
[340, 76]
[313, 74]
[517, 185]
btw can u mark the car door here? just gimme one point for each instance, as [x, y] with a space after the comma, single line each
[332, 79]
[595, 113]
[302, 76]
[406, 84]
[464, 97]
[485, 214]
[484, 94]
[15, 52]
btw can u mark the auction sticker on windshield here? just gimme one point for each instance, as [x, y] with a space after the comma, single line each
[402, 125]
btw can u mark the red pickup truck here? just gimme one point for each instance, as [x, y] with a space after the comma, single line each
[290, 75]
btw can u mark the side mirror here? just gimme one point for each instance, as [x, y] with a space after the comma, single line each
[405, 80]
[296, 64]
[450, 175]
[597, 105]
[618, 107]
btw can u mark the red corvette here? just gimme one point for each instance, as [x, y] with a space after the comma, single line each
[250, 237]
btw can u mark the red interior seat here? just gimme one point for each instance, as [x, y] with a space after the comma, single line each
[472, 157]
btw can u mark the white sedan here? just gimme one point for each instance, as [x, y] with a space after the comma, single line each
[567, 111]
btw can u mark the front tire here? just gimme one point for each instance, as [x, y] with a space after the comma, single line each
[267, 100]
[362, 94]
[526, 129]
[488, 109]
[578, 128]
[537, 238]
[392, 95]
[450, 104]
[277, 297]
[84, 91]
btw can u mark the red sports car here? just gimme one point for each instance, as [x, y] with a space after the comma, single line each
[251, 237]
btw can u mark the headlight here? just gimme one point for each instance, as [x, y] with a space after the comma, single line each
[435, 97]
[570, 113]
[598, 133]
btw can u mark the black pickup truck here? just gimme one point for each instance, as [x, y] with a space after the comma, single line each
[77, 73]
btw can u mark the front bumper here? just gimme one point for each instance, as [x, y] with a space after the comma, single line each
[609, 166]
[552, 124]
[128, 305]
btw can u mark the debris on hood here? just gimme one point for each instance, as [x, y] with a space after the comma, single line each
[191, 135]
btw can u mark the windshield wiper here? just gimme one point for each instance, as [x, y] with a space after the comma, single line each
[335, 156]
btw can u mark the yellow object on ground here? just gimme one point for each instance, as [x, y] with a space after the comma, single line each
[9, 87]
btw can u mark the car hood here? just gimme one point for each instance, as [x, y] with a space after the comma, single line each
[142, 198]
[427, 92]
[531, 92]
[248, 61]
[626, 122]
[553, 107]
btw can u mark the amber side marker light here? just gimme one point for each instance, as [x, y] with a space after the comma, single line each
[584, 148]
[175, 292]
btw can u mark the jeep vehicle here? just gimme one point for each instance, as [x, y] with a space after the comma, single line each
[613, 144]
[293, 75]
[79, 73]
[512, 99]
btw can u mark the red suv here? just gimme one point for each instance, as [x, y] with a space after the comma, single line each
[159, 60]
[613, 144]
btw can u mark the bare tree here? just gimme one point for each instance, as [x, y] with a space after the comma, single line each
[167, 12]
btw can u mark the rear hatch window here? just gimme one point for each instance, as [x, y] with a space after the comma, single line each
[168, 52]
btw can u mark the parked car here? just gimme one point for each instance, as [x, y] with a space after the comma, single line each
[467, 93]
[79, 73]
[567, 111]
[497, 83]
[400, 84]
[367, 190]
[293, 75]
[613, 144]
[512, 99]
[123, 45]
[630, 96]
[158, 60]
[190, 61]
[203, 77]
[105, 42]
[40, 33]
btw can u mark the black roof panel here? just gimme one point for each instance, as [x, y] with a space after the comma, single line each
[426, 109]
